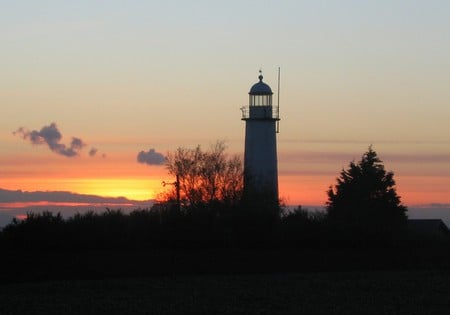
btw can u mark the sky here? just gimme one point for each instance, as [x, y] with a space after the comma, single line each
[88, 86]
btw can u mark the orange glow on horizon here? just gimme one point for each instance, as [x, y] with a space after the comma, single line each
[141, 182]
[420, 190]
[112, 177]
[21, 216]
[137, 188]
[303, 190]
[310, 190]
[24, 204]
[132, 188]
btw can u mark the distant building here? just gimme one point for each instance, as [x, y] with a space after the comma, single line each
[428, 230]
[260, 158]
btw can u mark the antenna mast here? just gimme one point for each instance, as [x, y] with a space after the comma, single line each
[278, 102]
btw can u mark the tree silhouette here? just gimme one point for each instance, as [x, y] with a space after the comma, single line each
[37, 230]
[365, 197]
[206, 176]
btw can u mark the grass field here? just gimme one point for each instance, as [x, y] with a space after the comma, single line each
[368, 292]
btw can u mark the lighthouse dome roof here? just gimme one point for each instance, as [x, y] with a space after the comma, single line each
[260, 88]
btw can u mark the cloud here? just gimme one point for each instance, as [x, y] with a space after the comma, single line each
[11, 196]
[94, 152]
[51, 136]
[330, 157]
[151, 157]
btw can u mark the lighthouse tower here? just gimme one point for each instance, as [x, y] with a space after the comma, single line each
[260, 158]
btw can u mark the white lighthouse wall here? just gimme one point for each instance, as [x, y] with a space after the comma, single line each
[260, 160]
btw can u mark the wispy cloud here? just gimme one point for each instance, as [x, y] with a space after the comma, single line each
[419, 158]
[151, 157]
[322, 163]
[333, 157]
[364, 142]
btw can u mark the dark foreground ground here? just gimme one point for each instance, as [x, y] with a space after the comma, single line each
[235, 281]
[357, 292]
[408, 280]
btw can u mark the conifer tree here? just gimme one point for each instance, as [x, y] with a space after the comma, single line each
[365, 196]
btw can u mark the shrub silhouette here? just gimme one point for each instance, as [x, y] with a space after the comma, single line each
[37, 230]
[303, 228]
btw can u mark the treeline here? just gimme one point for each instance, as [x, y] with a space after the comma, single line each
[162, 226]
[167, 227]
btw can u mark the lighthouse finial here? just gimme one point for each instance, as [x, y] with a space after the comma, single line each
[260, 77]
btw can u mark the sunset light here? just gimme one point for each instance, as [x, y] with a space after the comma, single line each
[94, 96]
[225, 157]
[134, 189]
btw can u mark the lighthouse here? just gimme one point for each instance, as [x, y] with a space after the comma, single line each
[260, 157]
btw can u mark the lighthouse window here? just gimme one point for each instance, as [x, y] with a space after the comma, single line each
[260, 100]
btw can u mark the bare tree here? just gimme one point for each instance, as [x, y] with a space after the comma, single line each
[207, 176]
